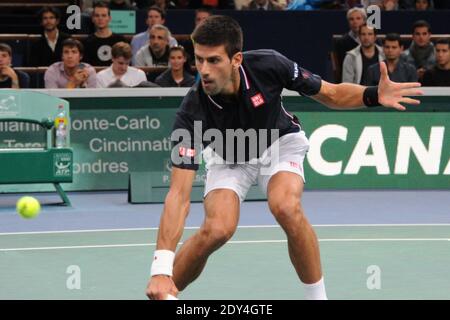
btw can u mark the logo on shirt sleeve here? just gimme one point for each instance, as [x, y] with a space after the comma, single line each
[186, 152]
[257, 100]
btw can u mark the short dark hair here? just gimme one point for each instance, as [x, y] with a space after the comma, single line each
[368, 27]
[421, 24]
[6, 48]
[50, 9]
[73, 43]
[158, 9]
[443, 41]
[178, 48]
[220, 30]
[101, 4]
[393, 37]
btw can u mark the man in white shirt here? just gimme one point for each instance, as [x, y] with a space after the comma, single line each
[120, 74]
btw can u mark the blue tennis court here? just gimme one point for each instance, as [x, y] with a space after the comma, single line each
[374, 245]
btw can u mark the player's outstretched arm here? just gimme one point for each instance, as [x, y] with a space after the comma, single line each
[176, 209]
[346, 96]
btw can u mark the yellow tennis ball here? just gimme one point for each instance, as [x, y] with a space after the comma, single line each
[28, 207]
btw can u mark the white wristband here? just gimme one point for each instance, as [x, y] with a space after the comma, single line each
[163, 263]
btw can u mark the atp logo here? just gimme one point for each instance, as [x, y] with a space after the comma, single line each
[62, 164]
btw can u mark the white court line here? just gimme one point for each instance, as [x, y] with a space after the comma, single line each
[239, 227]
[229, 242]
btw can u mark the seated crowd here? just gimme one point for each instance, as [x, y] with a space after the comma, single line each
[104, 59]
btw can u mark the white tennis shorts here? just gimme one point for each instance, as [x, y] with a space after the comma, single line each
[286, 154]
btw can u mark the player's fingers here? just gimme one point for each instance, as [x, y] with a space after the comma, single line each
[174, 292]
[411, 92]
[383, 71]
[409, 101]
[408, 85]
[399, 107]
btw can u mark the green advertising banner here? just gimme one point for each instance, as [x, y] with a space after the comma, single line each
[377, 150]
[112, 137]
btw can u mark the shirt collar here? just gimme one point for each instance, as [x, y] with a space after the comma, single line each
[245, 86]
[57, 35]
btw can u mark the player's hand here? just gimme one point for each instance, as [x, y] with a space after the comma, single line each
[393, 94]
[160, 286]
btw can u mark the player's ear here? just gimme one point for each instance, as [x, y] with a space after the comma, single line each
[237, 60]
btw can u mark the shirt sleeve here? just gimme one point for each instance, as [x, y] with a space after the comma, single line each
[92, 78]
[295, 78]
[100, 81]
[186, 142]
[140, 60]
[50, 78]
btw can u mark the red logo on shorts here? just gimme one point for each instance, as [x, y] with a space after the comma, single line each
[294, 164]
[186, 152]
[257, 100]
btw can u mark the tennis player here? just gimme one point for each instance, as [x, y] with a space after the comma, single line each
[240, 92]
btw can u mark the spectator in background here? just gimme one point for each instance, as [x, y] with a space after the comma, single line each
[165, 4]
[311, 4]
[10, 78]
[423, 5]
[120, 74]
[120, 5]
[200, 15]
[358, 60]
[263, 5]
[421, 53]
[389, 5]
[156, 52]
[98, 45]
[398, 71]
[439, 75]
[47, 50]
[356, 17]
[176, 75]
[155, 15]
[70, 72]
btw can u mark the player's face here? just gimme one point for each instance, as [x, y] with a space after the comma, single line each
[217, 71]
[158, 41]
[421, 36]
[5, 59]
[154, 17]
[392, 50]
[120, 65]
[101, 18]
[71, 57]
[49, 21]
[442, 54]
[177, 60]
[355, 20]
